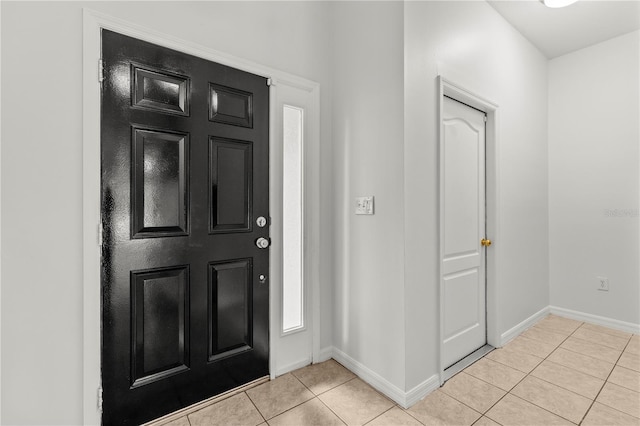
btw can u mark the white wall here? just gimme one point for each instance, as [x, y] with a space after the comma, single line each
[42, 171]
[367, 119]
[377, 63]
[471, 44]
[386, 60]
[594, 115]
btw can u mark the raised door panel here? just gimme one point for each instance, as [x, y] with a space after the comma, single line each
[461, 298]
[230, 183]
[230, 106]
[160, 90]
[230, 308]
[160, 184]
[160, 324]
[461, 185]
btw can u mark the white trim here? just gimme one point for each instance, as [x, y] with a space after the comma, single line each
[292, 93]
[275, 210]
[90, 217]
[515, 331]
[306, 319]
[371, 377]
[0, 226]
[492, 212]
[402, 398]
[291, 367]
[324, 354]
[93, 22]
[422, 390]
[615, 324]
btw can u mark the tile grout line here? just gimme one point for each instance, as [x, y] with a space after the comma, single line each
[616, 336]
[509, 392]
[546, 359]
[467, 405]
[527, 375]
[317, 396]
[322, 393]
[589, 356]
[568, 350]
[476, 422]
[482, 414]
[591, 343]
[578, 371]
[256, 407]
[334, 413]
[623, 386]
[562, 387]
[604, 384]
[414, 417]
[290, 408]
[332, 388]
[536, 366]
[595, 343]
[601, 387]
[385, 411]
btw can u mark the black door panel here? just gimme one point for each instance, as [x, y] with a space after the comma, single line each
[184, 175]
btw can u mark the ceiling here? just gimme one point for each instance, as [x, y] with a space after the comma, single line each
[559, 31]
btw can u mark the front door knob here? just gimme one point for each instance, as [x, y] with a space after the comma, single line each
[262, 243]
[485, 242]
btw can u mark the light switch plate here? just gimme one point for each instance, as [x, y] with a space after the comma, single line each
[364, 205]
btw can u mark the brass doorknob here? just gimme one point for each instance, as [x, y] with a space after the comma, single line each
[485, 242]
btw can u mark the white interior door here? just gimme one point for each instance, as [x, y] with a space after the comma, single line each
[463, 262]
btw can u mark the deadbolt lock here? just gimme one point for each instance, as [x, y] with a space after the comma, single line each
[261, 221]
[485, 242]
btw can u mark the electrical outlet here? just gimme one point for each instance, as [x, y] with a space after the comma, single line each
[603, 283]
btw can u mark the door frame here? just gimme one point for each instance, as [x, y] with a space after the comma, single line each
[93, 22]
[455, 91]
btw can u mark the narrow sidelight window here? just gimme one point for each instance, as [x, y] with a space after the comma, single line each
[293, 283]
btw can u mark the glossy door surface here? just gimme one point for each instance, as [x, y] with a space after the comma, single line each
[463, 264]
[184, 175]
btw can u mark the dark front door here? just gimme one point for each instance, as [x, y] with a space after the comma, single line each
[184, 182]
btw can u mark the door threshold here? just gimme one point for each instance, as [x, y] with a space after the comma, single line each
[451, 371]
[202, 404]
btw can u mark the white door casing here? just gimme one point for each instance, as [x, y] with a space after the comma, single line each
[463, 258]
[293, 348]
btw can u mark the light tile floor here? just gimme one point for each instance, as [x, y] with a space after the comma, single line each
[559, 372]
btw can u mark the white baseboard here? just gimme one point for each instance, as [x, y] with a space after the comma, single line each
[374, 379]
[422, 390]
[628, 327]
[514, 332]
[325, 354]
[407, 399]
[404, 399]
[293, 366]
